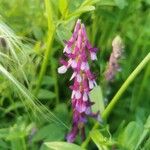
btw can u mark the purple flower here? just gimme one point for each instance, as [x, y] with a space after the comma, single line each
[77, 50]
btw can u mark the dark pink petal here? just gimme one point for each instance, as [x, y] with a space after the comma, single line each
[72, 135]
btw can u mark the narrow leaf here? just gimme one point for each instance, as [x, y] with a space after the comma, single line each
[102, 142]
[121, 3]
[62, 146]
[97, 97]
[81, 10]
[63, 6]
[46, 94]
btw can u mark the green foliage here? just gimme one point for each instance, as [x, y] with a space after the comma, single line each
[129, 138]
[97, 97]
[61, 145]
[45, 94]
[35, 101]
[121, 3]
[103, 143]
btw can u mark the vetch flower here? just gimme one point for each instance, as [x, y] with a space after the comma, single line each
[113, 64]
[77, 50]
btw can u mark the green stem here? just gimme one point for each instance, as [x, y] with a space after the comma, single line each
[120, 92]
[54, 75]
[51, 33]
[23, 143]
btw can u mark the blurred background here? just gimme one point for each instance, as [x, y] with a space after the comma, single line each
[35, 99]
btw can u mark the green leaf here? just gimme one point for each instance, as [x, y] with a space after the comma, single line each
[145, 132]
[147, 1]
[81, 10]
[121, 3]
[90, 2]
[37, 31]
[47, 80]
[102, 142]
[61, 111]
[63, 6]
[46, 94]
[131, 134]
[4, 132]
[3, 145]
[64, 32]
[62, 146]
[146, 144]
[97, 97]
[51, 132]
[49, 15]
[107, 3]
[13, 107]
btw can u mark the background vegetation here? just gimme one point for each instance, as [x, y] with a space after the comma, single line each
[35, 100]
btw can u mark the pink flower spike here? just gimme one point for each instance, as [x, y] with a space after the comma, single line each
[76, 50]
[78, 25]
[79, 40]
[84, 32]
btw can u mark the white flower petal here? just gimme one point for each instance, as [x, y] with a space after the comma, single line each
[79, 78]
[93, 56]
[62, 69]
[91, 84]
[73, 64]
[73, 75]
[67, 50]
[85, 96]
[87, 67]
[77, 94]
[69, 62]
[73, 94]
[83, 65]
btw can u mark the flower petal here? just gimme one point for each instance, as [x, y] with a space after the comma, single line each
[73, 64]
[62, 69]
[85, 96]
[93, 56]
[73, 75]
[79, 78]
[77, 94]
[91, 84]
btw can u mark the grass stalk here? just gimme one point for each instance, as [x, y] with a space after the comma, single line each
[50, 39]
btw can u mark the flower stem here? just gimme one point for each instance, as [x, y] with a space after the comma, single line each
[51, 33]
[120, 92]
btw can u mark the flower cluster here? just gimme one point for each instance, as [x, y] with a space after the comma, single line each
[77, 50]
[113, 64]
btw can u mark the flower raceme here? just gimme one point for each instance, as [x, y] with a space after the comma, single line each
[77, 50]
[113, 63]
